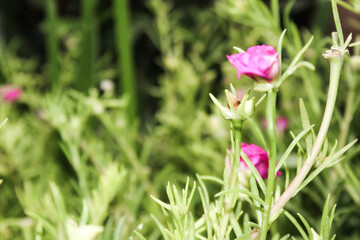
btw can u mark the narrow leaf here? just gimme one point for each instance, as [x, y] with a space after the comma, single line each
[306, 224]
[279, 46]
[295, 61]
[254, 171]
[305, 124]
[161, 227]
[243, 191]
[161, 203]
[325, 215]
[296, 224]
[291, 146]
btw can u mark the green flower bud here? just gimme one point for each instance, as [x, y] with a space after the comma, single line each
[249, 108]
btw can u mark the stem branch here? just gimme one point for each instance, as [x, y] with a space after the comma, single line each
[335, 69]
[270, 118]
[235, 163]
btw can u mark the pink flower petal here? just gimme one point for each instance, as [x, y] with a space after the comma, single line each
[257, 62]
[257, 156]
[10, 94]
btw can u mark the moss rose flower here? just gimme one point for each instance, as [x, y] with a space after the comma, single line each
[258, 62]
[9, 93]
[257, 156]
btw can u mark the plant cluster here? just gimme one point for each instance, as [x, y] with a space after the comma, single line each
[273, 157]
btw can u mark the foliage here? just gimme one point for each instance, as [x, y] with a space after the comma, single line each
[85, 155]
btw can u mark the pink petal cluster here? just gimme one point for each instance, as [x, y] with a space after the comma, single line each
[9, 93]
[281, 124]
[257, 156]
[257, 62]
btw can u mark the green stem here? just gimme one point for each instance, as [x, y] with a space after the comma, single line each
[270, 118]
[348, 116]
[85, 75]
[124, 51]
[230, 199]
[335, 69]
[344, 132]
[52, 48]
[276, 12]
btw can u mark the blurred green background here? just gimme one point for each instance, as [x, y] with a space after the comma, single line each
[115, 104]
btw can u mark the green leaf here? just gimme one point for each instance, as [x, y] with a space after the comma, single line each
[177, 195]
[3, 122]
[254, 171]
[345, 5]
[46, 224]
[294, 142]
[333, 149]
[287, 175]
[306, 224]
[285, 237]
[324, 216]
[239, 50]
[294, 62]
[279, 45]
[296, 224]
[305, 64]
[233, 90]
[235, 225]
[39, 231]
[260, 100]
[298, 144]
[327, 163]
[354, 44]
[247, 228]
[185, 191]
[170, 196]
[191, 196]
[243, 191]
[204, 196]
[213, 179]
[324, 151]
[119, 229]
[161, 227]
[330, 221]
[139, 235]
[191, 227]
[337, 22]
[287, 10]
[254, 189]
[305, 124]
[58, 201]
[161, 203]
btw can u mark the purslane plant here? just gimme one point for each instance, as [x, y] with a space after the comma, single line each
[225, 216]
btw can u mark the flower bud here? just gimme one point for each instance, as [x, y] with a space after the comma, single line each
[249, 108]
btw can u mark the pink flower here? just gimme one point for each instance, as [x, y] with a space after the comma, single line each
[9, 93]
[257, 156]
[281, 124]
[258, 62]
